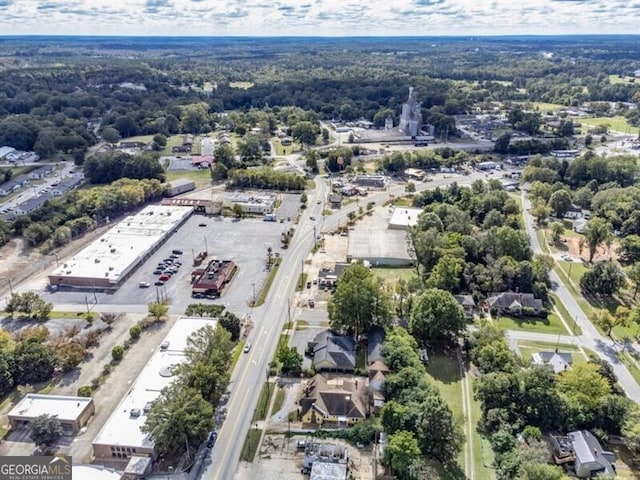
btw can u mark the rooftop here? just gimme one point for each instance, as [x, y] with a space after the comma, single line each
[123, 429]
[405, 217]
[66, 408]
[372, 243]
[116, 251]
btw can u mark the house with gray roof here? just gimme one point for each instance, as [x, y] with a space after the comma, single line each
[337, 401]
[467, 303]
[41, 172]
[558, 361]
[332, 352]
[514, 303]
[585, 452]
[32, 204]
[66, 185]
[375, 339]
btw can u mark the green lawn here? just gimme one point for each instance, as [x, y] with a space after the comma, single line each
[616, 124]
[281, 394]
[444, 372]
[573, 270]
[391, 275]
[545, 107]
[250, 446]
[551, 324]
[630, 364]
[260, 412]
[202, 177]
[267, 284]
[565, 315]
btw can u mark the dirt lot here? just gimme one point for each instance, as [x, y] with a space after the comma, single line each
[278, 459]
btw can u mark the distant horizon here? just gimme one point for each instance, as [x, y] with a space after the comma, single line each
[322, 18]
[231, 36]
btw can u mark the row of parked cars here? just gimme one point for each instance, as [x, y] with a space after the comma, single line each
[165, 269]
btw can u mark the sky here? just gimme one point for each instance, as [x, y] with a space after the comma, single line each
[318, 17]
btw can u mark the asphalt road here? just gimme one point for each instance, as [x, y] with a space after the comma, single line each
[590, 338]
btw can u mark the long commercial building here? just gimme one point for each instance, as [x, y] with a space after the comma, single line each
[121, 437]
[109, 260]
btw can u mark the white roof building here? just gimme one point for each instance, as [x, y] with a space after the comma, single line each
[108, 260]
[73, 412]
[121, 436]
[404, 218]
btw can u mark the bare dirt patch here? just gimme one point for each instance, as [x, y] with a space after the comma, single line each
[602, 253]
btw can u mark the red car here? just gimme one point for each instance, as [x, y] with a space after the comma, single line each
[164, 277]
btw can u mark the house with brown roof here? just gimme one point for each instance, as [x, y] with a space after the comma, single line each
[514, 303]
[333, 400]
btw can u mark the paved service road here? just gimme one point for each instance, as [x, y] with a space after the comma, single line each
[590, 338]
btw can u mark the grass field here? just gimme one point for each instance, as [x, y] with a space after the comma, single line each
[267, 284]
[391, 275]
[202, 178]
[281, 394]
[616, 124]
[551, 324]
[625, 79]
[573, 270]
[544, 106]
[444, 372]
[565, 315]
[528, 348]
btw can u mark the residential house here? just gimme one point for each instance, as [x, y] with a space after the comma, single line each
[558, 361]
[375, 339]
[467, 303]
[514, 303]
[335, 200]
[66, 185]
[377, 371]
[41, 172]
[336, 401]
[333, 352]
[32, 204]
[7, 188]
[585, 452]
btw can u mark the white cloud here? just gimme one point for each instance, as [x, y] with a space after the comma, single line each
[317, 17]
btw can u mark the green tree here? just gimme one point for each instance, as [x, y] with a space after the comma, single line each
[305, 133]
[224, 155]
[46, 430]
[7, 371]
[85, 391]
[158, 310]
[69, 355]
[35, 362]
[597, 232]
[135, 331]
[447, 273]
[560, 202]
[231, 323]
[290, 360]
[608, 321]
[557, 230]
[436, 318]
[209, 355]
[238, 210]
[178, 418]
[117, 353]
[584, 385]
[401, 452]
[359, 301]
[438, 433]
[110, 135]
[605, 278]
[540, 212]
[249, 149]
[633, 273]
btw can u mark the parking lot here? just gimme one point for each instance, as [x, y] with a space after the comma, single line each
[243, 241]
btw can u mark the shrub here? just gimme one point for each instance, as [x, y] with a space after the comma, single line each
[135, 332]
[117, 353]
[85, 391]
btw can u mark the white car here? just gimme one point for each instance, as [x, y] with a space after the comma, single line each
[247, 347]
[144, 285]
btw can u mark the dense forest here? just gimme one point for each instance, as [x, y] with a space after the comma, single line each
[57, 95]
